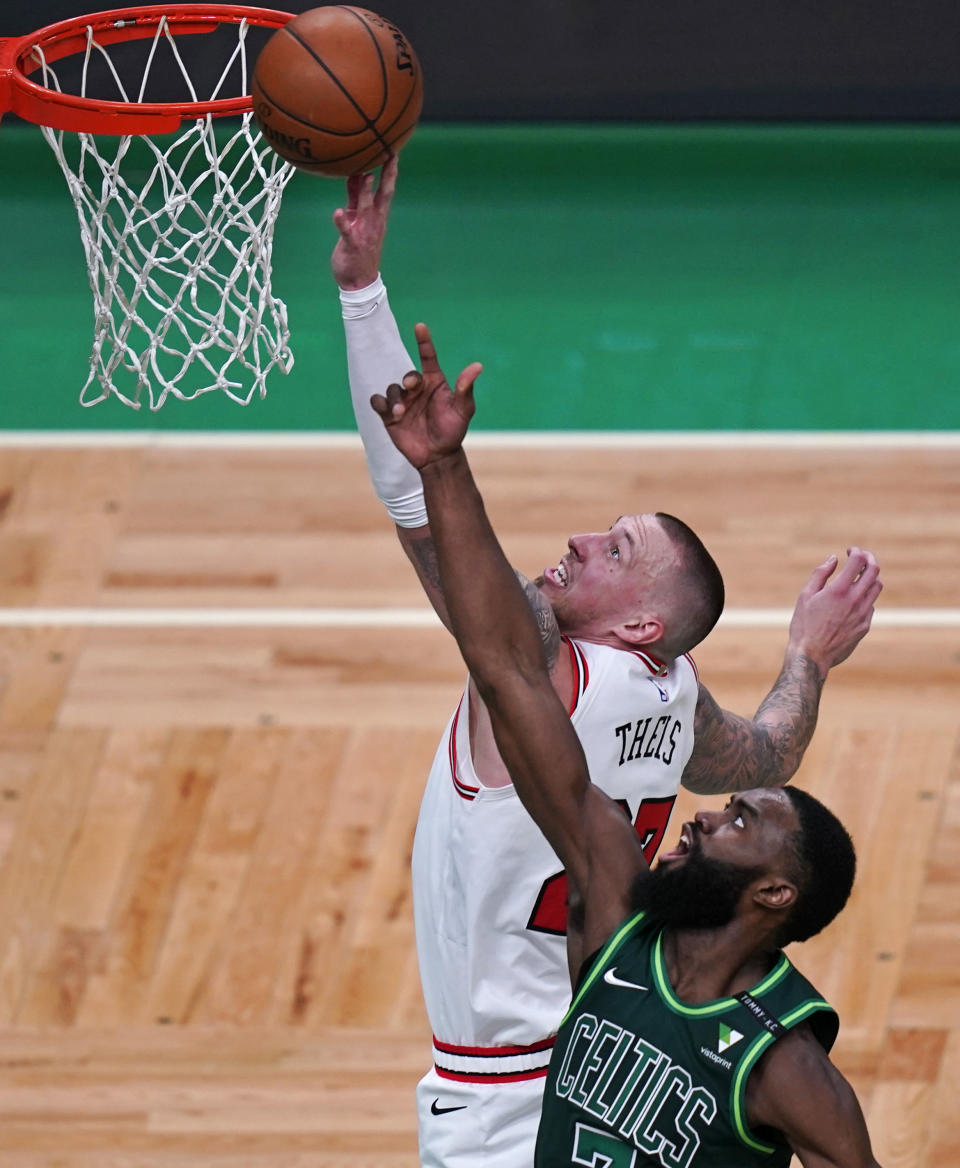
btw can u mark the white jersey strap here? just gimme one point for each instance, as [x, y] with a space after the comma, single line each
[464, 790]
[581, 674]
[657, 667]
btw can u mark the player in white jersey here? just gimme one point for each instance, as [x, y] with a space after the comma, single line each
[489, 899]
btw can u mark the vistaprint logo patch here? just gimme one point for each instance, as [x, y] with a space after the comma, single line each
[728, 1037]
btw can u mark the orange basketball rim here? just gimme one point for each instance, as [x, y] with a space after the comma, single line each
[177, 201]
[25, 55]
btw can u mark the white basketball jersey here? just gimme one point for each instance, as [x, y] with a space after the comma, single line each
[489, 895]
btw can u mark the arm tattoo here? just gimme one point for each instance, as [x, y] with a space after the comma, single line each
[423, 552]
[731, 753]
[546, 621]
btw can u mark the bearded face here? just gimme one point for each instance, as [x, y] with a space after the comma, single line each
[700, 893]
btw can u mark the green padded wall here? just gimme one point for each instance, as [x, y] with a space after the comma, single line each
[609, 277]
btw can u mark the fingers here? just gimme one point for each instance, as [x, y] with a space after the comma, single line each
[856, 562]
[343, 215]
[861, 570]
[861, 567]
[428, 353]
[360, 198]
[869, 580]
[821, 574]
[391, 404]
[365, 194]
[360, 187]
[860, 584]
[355, 184]
[388, 183]
[465, 382]
[430, 365]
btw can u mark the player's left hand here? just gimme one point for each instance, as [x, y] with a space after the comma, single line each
[833, 612]
[426, 419]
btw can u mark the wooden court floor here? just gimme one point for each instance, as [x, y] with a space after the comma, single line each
[206, 949]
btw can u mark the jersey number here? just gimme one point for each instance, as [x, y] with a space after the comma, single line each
[550, 911]
[599, 1150]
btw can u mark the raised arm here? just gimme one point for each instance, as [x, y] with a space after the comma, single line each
[831, 617]
[502, 646]
[376, 356]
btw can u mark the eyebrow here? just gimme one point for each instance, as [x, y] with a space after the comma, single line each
[627, 534]
[742, 805]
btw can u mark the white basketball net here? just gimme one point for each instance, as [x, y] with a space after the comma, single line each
[178, 249]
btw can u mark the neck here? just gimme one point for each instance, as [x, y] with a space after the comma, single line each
[657, 651]
[706, 964]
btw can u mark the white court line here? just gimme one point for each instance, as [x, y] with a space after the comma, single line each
[523, 439]
[383, 618]
[425, 618]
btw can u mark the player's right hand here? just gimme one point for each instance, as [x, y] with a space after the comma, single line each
[362, 225]
[426, 419]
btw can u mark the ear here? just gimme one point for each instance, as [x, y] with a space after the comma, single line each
[644, 631]
[776, 894]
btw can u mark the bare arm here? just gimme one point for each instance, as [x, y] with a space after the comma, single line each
[503, 647]
[421, 551]
[831, 617]
[798, 1092]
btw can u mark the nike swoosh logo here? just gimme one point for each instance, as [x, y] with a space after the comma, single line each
[610, 977]
[435, 1110]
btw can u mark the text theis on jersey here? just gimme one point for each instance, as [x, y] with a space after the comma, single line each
[649, 738]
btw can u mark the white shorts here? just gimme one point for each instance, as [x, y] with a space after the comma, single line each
[477, 1125]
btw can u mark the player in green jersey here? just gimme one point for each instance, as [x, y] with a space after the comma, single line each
[691, 1041]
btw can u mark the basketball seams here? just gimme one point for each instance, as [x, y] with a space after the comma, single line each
[370, 125]
[317, 164]
[379, 51]
[381, 135]
[348, 78]
[385, 145]
[277, 105]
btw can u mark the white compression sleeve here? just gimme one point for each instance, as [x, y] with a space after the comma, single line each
[376, 358]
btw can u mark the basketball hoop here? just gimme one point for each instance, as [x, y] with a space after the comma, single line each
[177, 233]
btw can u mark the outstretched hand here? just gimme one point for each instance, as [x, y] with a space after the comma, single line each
[833, 613]
[362, 225]
[426, 419]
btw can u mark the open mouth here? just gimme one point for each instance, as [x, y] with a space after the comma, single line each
[558, 575]
[684, 844]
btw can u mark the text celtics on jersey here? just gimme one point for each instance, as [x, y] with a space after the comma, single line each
[636, 1091]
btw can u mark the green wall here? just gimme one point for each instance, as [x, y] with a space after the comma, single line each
[609, 277]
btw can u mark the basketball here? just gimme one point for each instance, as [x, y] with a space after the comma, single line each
[337, 90]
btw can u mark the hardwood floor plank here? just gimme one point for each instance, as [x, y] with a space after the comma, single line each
[206, 943]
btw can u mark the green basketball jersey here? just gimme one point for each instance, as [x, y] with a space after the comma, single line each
[638, 1078]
